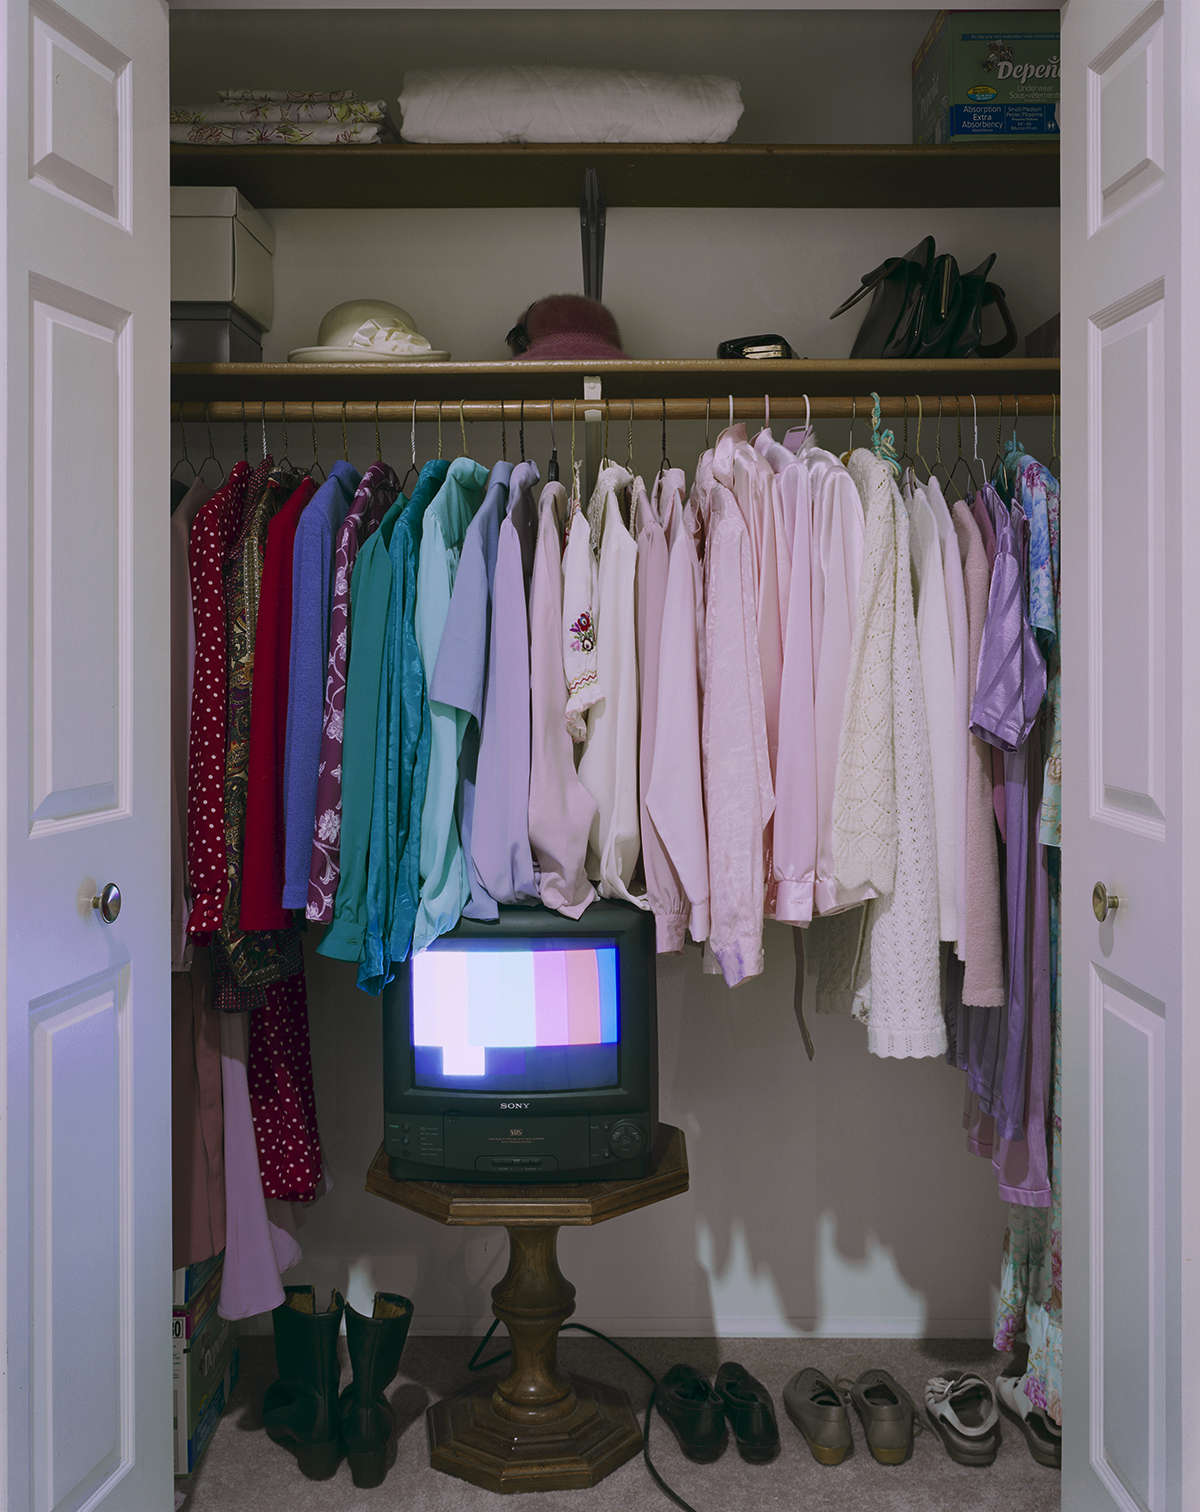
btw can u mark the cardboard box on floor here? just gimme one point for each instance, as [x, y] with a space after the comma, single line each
[204, 1360]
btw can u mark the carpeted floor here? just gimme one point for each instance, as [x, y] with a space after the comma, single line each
[243, 1471]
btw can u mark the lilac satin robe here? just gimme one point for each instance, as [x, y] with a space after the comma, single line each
[1010, 690]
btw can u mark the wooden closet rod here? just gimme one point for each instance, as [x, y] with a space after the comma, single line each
[716, 409]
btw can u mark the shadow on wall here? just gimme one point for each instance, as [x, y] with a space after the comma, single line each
[833, 1197]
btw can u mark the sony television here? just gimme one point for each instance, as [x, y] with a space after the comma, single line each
[525, 1050]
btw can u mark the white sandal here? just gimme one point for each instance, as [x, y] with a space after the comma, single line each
[1043, 1434]
[963, 1410]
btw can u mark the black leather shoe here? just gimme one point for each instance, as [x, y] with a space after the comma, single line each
[693, 1412]
[750, 1411]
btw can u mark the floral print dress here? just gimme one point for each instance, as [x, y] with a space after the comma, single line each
[1031, 1278]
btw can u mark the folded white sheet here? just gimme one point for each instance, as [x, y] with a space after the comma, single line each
[552, 103]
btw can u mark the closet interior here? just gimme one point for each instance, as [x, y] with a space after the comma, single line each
[832, 1196]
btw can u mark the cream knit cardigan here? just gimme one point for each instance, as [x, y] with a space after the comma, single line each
[883, 799]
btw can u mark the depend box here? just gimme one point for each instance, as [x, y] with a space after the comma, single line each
[980, 75]
[204, 1357]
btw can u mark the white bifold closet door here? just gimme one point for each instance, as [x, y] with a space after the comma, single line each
[85, 1235]
[1131, 754]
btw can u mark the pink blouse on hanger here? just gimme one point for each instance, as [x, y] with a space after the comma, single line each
[739, 794]
[836, 564]
[561, 810]
[794, 851]
[675, 791]
[657, 522]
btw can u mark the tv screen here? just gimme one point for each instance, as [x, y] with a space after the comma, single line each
[522, 1015]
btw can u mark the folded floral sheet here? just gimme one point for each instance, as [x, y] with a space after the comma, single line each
[242, 117]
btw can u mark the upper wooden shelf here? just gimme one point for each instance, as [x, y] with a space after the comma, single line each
[667, 379]
[517, 175]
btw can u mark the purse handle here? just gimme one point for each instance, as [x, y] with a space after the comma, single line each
[994, 294]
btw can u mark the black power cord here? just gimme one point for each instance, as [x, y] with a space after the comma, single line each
[476, 1364]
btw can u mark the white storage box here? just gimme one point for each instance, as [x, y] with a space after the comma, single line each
[222, 252]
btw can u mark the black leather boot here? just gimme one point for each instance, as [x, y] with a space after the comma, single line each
[300, 1409]
[375, 1344]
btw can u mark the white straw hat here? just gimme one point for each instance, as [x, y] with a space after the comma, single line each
[368, 330]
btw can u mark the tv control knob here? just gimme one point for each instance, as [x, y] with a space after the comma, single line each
[627, 1140]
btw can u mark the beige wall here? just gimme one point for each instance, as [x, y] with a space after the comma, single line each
[799, 70]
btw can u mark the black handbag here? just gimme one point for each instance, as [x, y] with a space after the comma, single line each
[922, 306]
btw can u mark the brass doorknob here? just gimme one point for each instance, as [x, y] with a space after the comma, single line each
[1103, 902]
[107, 902]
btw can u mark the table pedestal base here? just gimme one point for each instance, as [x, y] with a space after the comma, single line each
[537, 1429]
[469, 1438]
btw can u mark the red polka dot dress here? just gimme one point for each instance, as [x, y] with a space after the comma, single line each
[282, 1102]
[279, 1070]
[213, 534]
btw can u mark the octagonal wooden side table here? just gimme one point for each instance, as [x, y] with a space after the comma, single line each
[538, 1429]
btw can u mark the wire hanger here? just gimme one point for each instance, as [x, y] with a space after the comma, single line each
[731, 409]
[978, 458]
[378, 446]
[245, 437]
[629, 467]
[574, 479]
[184, 461]
[999, 467]
[917, 455]
[212, 453]
[462, 425]
[345, 448]
[960, 459]
[853, 418]
[552, 466]
[937, 444]
[707, 421]
[766, 412]
[905, 460]
[262, 415]
[521, 430]
[607, 416]
[316, 467]
[1055, 459]
[286, 463]
[666, 461]
[503, 434]
[412, 441]
[439, 430]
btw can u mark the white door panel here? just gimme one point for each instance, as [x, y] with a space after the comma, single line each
[85, 1249]
[1127, 699]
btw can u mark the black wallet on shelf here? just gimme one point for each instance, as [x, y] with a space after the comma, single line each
[754, 346]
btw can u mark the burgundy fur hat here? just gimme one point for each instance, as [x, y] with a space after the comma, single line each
[565, 327]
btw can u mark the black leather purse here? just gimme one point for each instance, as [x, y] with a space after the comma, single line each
[922, 306]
